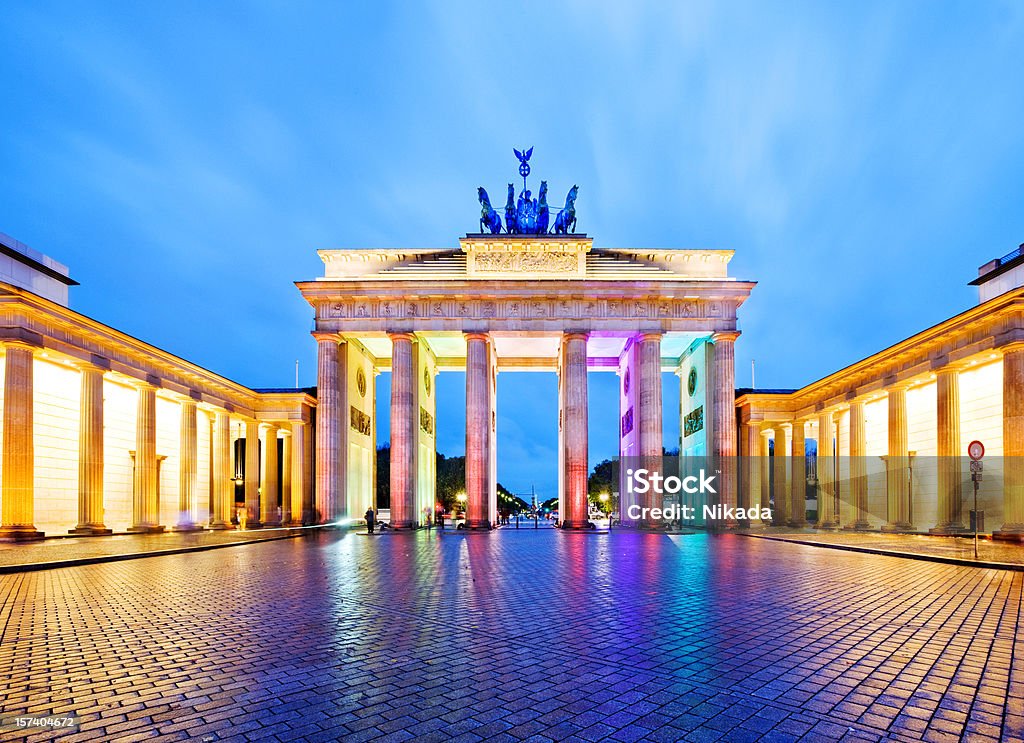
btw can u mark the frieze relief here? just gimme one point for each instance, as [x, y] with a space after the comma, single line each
[525, 308]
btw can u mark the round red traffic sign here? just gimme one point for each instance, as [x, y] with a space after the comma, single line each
[975, 450]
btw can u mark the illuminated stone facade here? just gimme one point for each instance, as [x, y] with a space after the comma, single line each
[551, 303]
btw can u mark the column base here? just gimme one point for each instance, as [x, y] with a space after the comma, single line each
[20, 534]
[858, 526]
[271, 524]
[797, 524]
[147, 529]
[186, 528]
[479, 525]
[828, 526]
[575, 525]
[252, 525]
[900, 528]
[1014, 534]
[950, 530]
[221, 526]
[293, 524]
[91, 531]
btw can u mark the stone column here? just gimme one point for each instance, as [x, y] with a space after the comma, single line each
[648, 415]
[17, 499]
[223, 486]
[90, 452]
[765, 465]
[329, 419]
[298, 472]
[858, 466]
[404, 425]
[188, 467]
[574, 367]
[269, 492]
[780, 485]
[723, 411]
[478, 430]
[947, 420]
[896, 465]
[286, 478]
[146, 504]
[827, 516]
[798, 477]
[252, 474]
[750, 496]
[1012, 529]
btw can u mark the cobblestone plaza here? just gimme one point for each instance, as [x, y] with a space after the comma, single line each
[517, 635]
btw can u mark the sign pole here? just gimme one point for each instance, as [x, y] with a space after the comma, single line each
[976, 450]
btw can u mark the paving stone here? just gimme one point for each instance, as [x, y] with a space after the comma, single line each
[630, 637]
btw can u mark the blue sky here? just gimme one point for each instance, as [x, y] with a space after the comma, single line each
[186, 160]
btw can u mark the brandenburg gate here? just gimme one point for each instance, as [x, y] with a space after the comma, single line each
[524, 302]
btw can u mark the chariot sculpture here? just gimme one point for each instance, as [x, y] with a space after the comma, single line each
[527, 215]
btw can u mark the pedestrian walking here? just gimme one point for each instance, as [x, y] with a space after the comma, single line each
[371, 520]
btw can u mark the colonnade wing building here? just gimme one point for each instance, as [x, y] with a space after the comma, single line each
[103, 432]
[535, 303]
[891, 432]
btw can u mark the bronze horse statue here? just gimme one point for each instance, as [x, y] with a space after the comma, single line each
[543, 214]
[566, 219]
[511, 224]
[489, 219]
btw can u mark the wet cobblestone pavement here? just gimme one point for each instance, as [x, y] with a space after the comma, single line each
[919, 545]
[534, 635]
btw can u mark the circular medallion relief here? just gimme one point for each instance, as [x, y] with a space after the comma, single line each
[426, 380]
[691, 381]
[361, 382]
[625, 382]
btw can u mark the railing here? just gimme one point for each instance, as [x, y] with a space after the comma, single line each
[1012, 254]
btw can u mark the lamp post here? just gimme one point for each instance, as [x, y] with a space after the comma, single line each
[603, 497]
[461, 498]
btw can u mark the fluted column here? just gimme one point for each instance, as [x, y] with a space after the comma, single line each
[574, 367]
[269, 491]
[765, 466]
[723, 429]
[252, 474]
[286, 478]
[798, 477]
[896, 464]
[90, 452]
[223, 485]
[478, 430]
[404, 425]
[17, 499]
[947, 423]
[780, 514]
[750, 450]
[146, 505]
[298, 472]
[858, 466]
[1013, 445]
[188, 467]
[648, 415]
[329, 419]
[827, 517]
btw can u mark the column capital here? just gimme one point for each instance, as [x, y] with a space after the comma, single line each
[478, 335]
[575, 335]
[725, 335]
[322, 336]
[94, 363]
[402, 335]
[20, 338]
[650, 335]
[151, 382]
